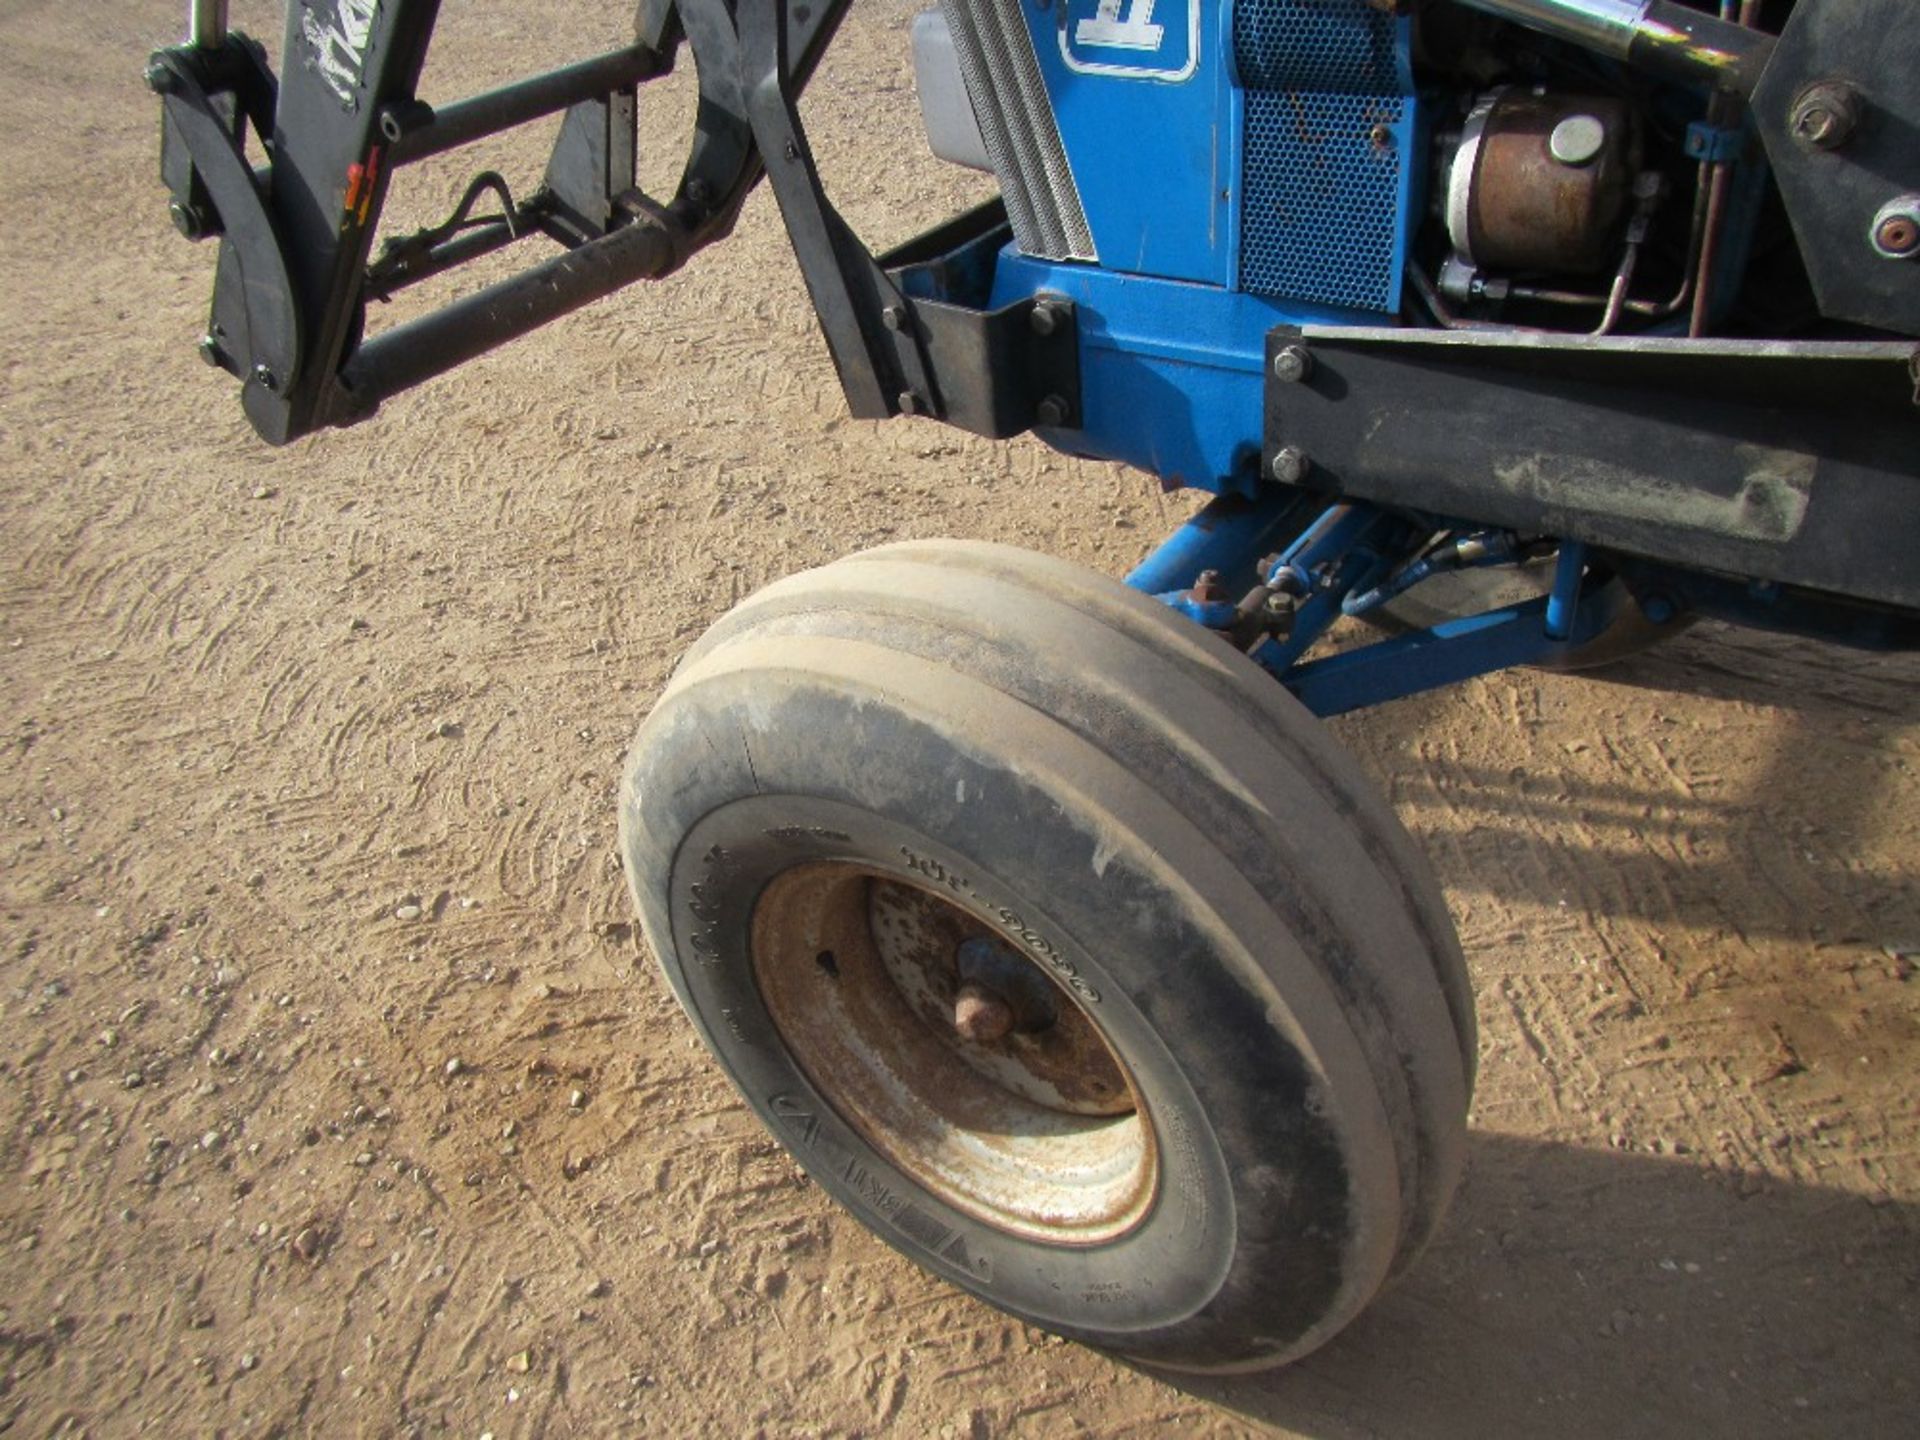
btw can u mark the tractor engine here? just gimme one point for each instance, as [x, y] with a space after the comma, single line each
[1307, 150]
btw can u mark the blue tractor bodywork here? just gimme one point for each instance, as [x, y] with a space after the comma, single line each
[1249, 168]
[1243, 166]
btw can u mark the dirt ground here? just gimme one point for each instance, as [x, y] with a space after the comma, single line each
[275, 1160]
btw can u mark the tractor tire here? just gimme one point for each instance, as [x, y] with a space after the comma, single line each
[1061, 946]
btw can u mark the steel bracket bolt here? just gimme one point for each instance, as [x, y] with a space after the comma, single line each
[1292, 364]
[1825, 115]
[894, 317]
[1052, 412]
[160, 77]
[1044, 318]
[1207, 588]
[1896, 229]
[265, 378]
[211, 352]
[908, 403]
[189, 221]
[1290, 465]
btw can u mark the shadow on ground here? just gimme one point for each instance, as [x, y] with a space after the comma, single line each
[1576, 1292]
[1755, 850]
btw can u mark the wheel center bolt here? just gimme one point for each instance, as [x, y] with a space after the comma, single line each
[981, 1015]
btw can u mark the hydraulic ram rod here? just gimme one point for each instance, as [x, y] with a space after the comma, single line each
[207, 24]
[1655, 34]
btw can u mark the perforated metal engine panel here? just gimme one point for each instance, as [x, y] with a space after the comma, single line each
[1327, 135]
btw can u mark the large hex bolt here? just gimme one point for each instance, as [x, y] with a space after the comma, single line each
[1292, 364]
[1052, 412]
[1825, 114]
[1207, 588]
[1896, 229]
[1290, 465]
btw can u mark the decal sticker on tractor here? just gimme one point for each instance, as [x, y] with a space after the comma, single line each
[1135, 39]
[338, 43]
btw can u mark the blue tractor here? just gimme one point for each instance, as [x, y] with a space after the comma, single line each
[1037, 913]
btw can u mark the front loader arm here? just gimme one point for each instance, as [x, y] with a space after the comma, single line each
[298, 263]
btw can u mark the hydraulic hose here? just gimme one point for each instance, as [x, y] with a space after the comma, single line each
[1656, 35]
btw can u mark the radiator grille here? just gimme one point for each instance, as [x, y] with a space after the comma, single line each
[1002, 76]
[1323, 148]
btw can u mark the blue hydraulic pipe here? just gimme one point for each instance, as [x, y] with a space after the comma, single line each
[1470, 552]
[1229, 535]
[1566, 589]
[1350, 545]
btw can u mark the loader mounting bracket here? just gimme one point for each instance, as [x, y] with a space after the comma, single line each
[298, 271]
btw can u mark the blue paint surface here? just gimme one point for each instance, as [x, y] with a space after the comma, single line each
[1243, 164]
[1148, 132]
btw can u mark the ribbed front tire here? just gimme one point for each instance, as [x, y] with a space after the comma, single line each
[1211, 1090]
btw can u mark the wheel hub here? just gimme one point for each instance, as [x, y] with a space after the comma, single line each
[953, 1053]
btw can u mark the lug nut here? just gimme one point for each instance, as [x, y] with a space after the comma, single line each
[980, 1015]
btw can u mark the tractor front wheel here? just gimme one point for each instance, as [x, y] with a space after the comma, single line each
[1061, 946]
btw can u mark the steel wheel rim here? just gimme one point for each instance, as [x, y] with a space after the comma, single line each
[1040, 1131]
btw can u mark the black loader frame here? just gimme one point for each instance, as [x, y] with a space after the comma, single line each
[297, 267]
